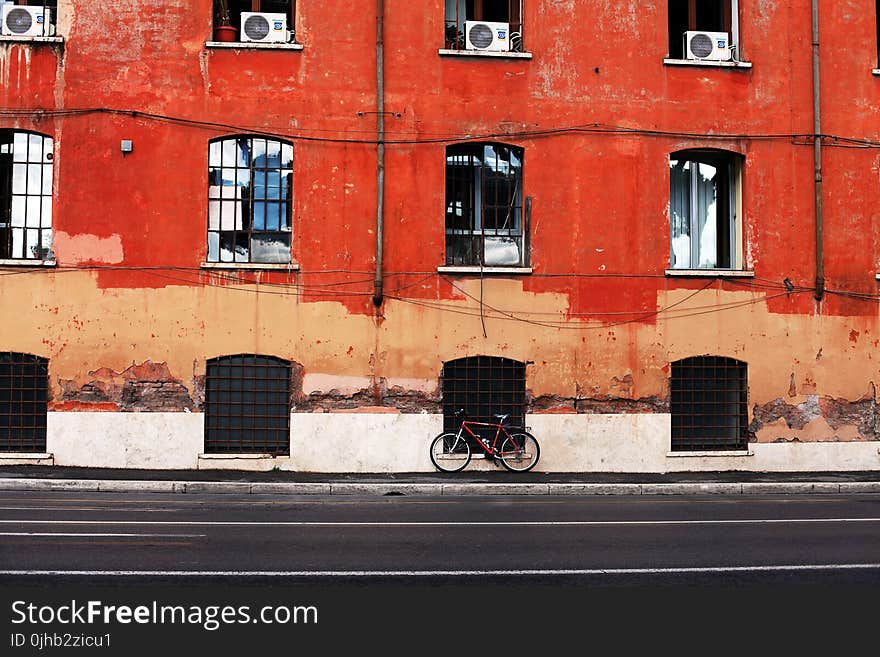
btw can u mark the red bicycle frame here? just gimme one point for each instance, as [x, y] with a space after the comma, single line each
[490, 448]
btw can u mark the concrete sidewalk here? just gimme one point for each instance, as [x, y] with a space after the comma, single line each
[55, 478]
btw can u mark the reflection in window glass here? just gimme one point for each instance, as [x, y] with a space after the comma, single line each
[249, 200]
[25, 196]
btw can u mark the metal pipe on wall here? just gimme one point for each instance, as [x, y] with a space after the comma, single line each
[817, 160]
[378, 282]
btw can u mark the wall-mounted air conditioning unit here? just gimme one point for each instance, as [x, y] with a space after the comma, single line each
[711, 46]
[258, 26]
[20, 20]
[480, 35]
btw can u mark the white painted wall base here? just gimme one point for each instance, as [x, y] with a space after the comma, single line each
[392, 442]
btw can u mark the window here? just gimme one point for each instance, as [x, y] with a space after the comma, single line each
[249, 200]
[25, 196]
[704, 196]
[228, 13]
[709, 404]
[484, 211]
[483, 386]
[25, 23]
[24, 397]
[703, 16]
[247, 405]
[493, 11]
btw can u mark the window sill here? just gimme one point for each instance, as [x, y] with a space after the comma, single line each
[483, 53]
[703, 62]
[53, 40]
[703, 273]
[252, 45]
[267, 266]
[15, 262]
[450, 269]
[712, 453]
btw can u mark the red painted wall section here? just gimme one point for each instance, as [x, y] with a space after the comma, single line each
[600, 224]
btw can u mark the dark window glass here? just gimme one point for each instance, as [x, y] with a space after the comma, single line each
[24, 398]
[709, 404]
[247, 405]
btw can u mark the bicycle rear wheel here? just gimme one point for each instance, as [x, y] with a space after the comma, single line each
[449, 453]
[520, 452]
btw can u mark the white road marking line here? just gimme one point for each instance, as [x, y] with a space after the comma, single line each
[490, 523]
[446, 573]
[93, 535]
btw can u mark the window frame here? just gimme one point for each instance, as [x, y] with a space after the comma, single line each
[733, 164]
[244, 214]
[456, 188]
[687, 393]
[453, 24]
[255, 6]
[16, 366]
[731, 25]
[235, 404]
[27, 200]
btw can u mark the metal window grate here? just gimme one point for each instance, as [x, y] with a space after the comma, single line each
[24, 397]
[484, 209]
[247, 405]
[709, 404]
[483, 386]
[25, 195]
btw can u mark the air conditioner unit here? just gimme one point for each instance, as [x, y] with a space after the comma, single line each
[259, 26]
[480, 35]
[711, 46]
[20, 20]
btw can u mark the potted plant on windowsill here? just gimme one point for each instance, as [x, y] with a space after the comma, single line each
[223, 29]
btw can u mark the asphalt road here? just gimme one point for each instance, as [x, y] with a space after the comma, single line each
[393, 562]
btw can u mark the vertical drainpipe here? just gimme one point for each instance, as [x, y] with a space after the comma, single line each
[378, 294]
[817, 159]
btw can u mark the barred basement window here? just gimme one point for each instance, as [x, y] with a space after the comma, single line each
[483, 386]
[250, 194]
[24, 397]
[25, 196]
[484, 210]
[247, 405]
[709, 404]
[458, 12]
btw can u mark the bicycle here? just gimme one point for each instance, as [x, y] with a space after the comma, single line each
[518, 451]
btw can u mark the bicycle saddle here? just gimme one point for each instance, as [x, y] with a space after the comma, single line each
[501, 418]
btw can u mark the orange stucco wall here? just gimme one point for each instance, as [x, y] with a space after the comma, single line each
[598, 316]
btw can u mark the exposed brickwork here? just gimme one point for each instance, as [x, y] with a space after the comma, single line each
[145, 387]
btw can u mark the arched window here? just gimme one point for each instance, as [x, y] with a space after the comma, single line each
[483, 386]
[704, 198]
[25, 196]
[247, 405]
[484, 208]
[250, 194]
[709, 404]
[24, 398]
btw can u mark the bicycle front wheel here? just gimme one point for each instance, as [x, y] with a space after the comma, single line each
[449, 453]
[520, 452]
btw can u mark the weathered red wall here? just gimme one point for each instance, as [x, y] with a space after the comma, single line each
[600, 227]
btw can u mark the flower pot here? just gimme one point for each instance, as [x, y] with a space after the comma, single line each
[225, 33]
